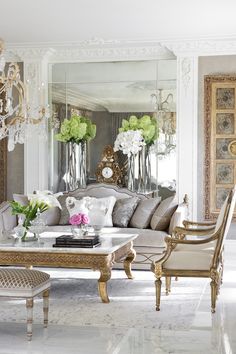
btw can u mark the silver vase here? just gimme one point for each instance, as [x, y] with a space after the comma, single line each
[144, 170]
[76, 175]
[131, 173]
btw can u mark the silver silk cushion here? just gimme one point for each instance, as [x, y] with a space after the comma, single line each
[22, 278]
[162, 216]
[64, 215]
[123, 211]
[51, 216]
[143, 213]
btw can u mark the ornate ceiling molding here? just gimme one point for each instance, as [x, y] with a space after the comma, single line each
[99, 49]
[96, 49]
[202, 47]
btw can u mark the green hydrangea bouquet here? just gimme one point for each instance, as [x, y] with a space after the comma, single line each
[146, 125]
[76, 129]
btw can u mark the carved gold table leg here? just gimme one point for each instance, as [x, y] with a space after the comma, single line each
[102, 284]
[127, 263]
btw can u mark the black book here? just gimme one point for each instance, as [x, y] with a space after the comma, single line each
[75, 245]
[70, 240]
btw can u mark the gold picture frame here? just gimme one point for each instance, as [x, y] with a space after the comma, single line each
[220, 140]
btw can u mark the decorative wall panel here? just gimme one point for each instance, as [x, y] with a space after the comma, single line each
[220, 140]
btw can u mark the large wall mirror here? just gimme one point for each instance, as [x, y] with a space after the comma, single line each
[107, 92]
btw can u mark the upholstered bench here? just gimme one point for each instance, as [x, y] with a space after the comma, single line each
[26, 283]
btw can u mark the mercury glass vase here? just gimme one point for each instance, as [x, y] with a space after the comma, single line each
[144, 170]
[76, 175]
[131, 173]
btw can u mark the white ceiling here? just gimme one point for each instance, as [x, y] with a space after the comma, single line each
[34, 21]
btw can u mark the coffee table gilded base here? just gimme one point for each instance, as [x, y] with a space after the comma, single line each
[95, 261]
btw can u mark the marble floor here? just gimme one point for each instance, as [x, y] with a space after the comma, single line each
[209, 333]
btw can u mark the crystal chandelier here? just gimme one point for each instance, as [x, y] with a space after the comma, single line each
[166, 116]
[17, 118]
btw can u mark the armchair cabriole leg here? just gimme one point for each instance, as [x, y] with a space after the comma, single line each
[45, 307]
[168, 285]
[29, 307]
[158, 283]
[213, 295]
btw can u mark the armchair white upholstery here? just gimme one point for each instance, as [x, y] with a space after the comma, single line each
[196, 257]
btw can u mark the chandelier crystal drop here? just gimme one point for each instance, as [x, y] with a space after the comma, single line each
[18, 119]
[166, 116]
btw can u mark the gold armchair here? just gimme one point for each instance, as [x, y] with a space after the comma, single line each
[196, 257]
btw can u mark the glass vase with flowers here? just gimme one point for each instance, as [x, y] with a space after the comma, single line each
[38, 203]
[79, 224]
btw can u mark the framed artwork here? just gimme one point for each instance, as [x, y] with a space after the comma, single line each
[220, 140]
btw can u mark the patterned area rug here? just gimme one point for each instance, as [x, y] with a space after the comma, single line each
[74, 301]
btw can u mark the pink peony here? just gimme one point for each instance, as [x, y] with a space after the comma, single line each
[79, 219]
[85, 219]
[76, 219]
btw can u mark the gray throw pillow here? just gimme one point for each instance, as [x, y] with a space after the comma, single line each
[161, 217]
[123, 211]
[65, 216]
[143, 213]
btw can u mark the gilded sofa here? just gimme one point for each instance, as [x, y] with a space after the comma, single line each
[149, 242]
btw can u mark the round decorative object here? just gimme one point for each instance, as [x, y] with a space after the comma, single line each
[107, 172]
[232, 148]
[108, 169]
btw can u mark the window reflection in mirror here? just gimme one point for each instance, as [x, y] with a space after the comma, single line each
[108, 92]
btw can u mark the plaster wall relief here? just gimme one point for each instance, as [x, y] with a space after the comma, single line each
[186, 73]
[187, 115]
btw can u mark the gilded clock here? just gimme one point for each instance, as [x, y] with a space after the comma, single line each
[108, 170]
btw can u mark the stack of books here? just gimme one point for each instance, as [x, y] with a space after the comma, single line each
[70, 241]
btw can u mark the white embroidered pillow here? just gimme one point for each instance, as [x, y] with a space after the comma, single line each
[97, 206]
[75, 206]
[99, 210]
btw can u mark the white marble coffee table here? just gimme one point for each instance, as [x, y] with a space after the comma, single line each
[113, 248]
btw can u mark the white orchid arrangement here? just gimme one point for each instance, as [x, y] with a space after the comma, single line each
[129, 142]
